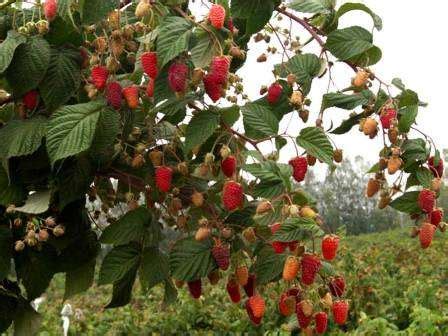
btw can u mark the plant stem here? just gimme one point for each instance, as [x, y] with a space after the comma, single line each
[7, 3]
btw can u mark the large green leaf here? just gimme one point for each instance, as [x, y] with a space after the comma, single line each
[414, 150]
[10, 193]
[351, 6]
[349, 42]
[191, 260]
[106, 133]
[367, 58]
[122, 290]
[6, 245]
[312, 6]
[260, 118]
[316, 143]
[127, 228]
[424, 177]
[304, 66]
[8, 47]
[36, 203]
[80, 279]
[346, 101]
[29, 65]
[407, 203]
[173, 39]
[62, 79]
[407, 117]
[200, 128]
[155, 267]
[119, 262]
[299, 228]
[266, 267]
[256, 12]
[22, 137]
[71, 129]
[205, 48]
[347, 124]
[93, 11]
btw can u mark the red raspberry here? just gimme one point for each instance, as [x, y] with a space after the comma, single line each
[220, 69]
[221, 254]
[149, 63]
[426, 200]
[337, 286]
[299, 168]
[217, 16]
[426, 234]
[278, 246]
[436, 170]
[293, 245]
[386, 117]
[304, 321]
[329, 246]
[232, 195]
[296, 293]
[287, 304]
[234, 290]
[164, 175]
[321, 320]
[436, 216]
[212, 88]
[340, 311]
[99, 76]
[274, 93]
[30, 99]
[177, 77]
[230, 25]
[310, 266]
[114, 95]
[150, 88]
[250, 313]
[257, 305]
[50, 9]
[195, 288]
[130, 93]
[249, 288]
[228, 166]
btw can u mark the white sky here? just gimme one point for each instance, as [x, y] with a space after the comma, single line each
[412, 41]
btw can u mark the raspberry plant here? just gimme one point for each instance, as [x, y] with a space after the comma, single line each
[122, 124]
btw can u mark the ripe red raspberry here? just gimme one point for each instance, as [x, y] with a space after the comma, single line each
[164, 175]
[150, 88]
[114, 95]
[233, 289]
[228, 166]
[436, 216]
[386, 117]
[310, 266]
[304, 321]
[30, 99]
[299, 167]
[426, 234]
[50, 9]
[293, 245]
[149, 63]
[257, 305]
[249, 288]
[330, 245]
[279, 247]
[337, 286]
[296, 292]
[221, 254]
[177, 77]
[220, 69]
[99, 76]
[287, 304]
[436, 170]
[321, 319]
[426, 200]
[250, 313]
[212, 87]
[195, 288]
[217, 16]
[274, 93]
[130, 94]
[232, 195]
[230, 25]
[340, 311]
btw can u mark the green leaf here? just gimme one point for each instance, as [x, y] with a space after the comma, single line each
[122, 290]
[414, 150]
[266, 267]
[230, 115]
[407, 117]
[80, 279]
[408, 98]
[27, 321]
[348, 124]
[170, 295]
[257, 12]
[299, 228]
[93, 11]
[304, 66]
[130, 227]
[173, 39]
[62, 79]
[424, 177]
[36, 203]
[118, 262]
[346, 101]
[268, 189]
[407, 203]
[29, 65]
[205, 48]
[316, 143]
[349, 42]
[6, 246]
[8, 47]
[106, 132]
[21, 137]
[191, 260]
[260, 118]
[351, 6]
[312, 6]
[71, 129]
[367, 58]
[155, 267]
[64, 10]
[398, 83]
[200, 128]
[10, 193]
